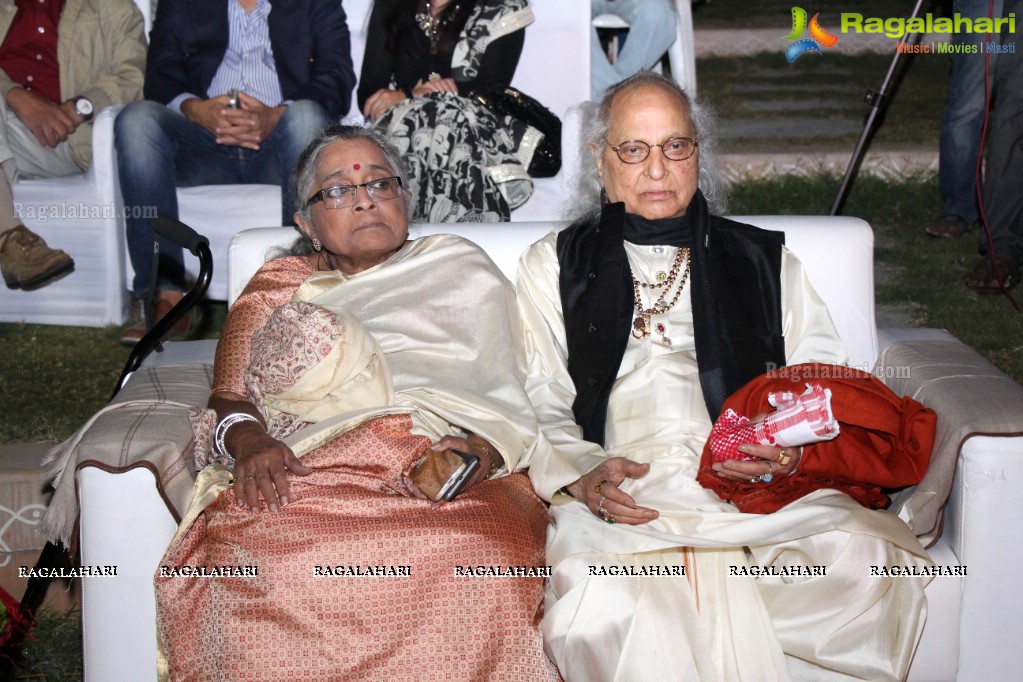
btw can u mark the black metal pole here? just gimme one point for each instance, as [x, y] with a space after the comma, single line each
[877, 101]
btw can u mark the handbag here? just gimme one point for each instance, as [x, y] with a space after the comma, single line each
[508, 101]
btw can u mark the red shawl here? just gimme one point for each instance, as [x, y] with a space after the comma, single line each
[885, 441]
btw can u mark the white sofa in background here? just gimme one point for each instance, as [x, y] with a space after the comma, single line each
[554, 68]
[973, 622]
[77, 213]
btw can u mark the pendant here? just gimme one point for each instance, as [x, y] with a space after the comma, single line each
[666, 341]
[639, 328]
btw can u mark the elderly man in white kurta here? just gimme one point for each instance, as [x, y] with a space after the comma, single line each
[653, 573]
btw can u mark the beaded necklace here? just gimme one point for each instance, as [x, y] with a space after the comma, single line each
[641, 325]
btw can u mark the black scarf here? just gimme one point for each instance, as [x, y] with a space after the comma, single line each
[735, 293]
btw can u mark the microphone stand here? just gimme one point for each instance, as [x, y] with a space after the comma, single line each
[877, 101]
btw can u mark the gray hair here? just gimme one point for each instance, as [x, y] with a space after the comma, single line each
[597, 121]
[303, 179]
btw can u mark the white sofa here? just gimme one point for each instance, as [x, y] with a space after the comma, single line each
[554, 68]
[973, 621]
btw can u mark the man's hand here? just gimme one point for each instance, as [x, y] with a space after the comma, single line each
[247, 126]
[50, 123]
[250, 124]
[752, 471]
[599, 491]
[207, 113]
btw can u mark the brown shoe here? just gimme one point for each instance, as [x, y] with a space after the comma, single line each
[28, 263]
[950, 226]
[165, 300]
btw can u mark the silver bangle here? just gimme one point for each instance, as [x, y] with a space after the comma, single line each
[225, 424]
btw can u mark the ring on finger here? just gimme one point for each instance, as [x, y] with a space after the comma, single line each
[245, 478]
[784, 457]
[604, 514]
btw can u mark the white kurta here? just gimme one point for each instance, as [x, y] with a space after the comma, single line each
[708, 625]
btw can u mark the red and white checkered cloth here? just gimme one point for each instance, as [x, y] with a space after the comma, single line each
[797, 420]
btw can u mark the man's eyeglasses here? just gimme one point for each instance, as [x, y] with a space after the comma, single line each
[636, 151]
[343, 196]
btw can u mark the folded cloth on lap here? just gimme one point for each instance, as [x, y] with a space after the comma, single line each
[797, 420]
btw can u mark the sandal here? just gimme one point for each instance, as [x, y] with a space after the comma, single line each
[982, 277]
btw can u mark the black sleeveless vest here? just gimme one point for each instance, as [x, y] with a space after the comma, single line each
[735, 292]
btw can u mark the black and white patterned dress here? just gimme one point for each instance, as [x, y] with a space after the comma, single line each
[466, 164]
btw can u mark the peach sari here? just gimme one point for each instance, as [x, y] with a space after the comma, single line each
[355, 579]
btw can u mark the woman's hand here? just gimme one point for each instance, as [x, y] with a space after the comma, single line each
[434, 85]
[599, 491]
[484, 450]
[261, 466]
[380, 101]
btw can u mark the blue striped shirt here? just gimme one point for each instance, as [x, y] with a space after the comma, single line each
[248, 63]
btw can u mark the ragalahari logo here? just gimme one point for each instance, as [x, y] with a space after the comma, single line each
[818, 36]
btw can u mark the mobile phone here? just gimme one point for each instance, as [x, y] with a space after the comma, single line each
[459, 476]
[232, 101]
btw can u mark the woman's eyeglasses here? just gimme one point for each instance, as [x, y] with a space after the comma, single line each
[636, 151]
[343, 196]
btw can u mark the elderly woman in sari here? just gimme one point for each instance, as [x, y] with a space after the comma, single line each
[641, 318]
[339, 368]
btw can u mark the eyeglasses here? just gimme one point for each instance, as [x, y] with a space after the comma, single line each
[636, 151]
[343, 196]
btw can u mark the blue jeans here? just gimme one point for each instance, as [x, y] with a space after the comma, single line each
[159, 150]
[652, 30]
[963, 118]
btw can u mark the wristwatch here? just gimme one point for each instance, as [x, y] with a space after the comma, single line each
[83, 107]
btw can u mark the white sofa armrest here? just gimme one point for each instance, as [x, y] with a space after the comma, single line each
[124, 524]
[980, 440]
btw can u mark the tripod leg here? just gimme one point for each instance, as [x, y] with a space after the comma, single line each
[36, 590]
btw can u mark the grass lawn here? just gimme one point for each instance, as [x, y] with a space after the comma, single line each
[55, 378]
[54, 653]
[922, 275]
[763, 103]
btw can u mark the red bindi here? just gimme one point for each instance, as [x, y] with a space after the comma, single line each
[355, 166]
